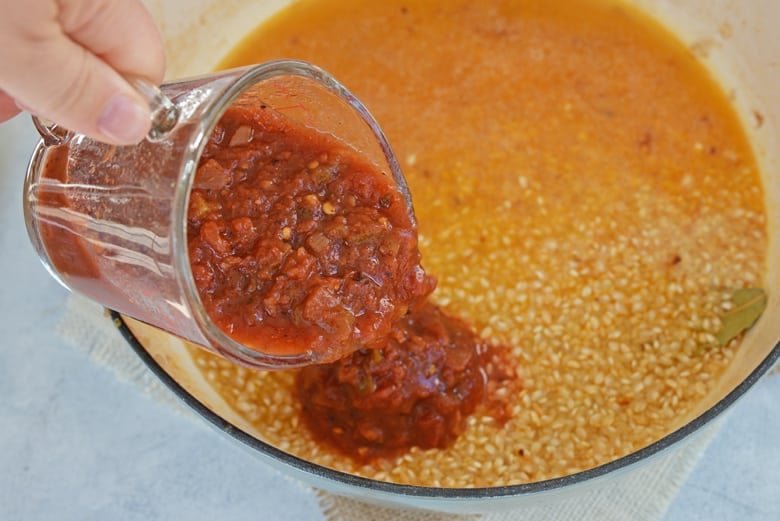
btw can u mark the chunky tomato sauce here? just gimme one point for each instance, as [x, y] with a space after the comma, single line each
[417, 390]
[296, 241]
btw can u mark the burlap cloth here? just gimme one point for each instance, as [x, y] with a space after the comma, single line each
[644, 495]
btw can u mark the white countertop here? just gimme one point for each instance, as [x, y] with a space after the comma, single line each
[77, 444]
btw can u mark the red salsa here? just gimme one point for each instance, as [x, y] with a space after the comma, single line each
[297, 242]
[417, 390]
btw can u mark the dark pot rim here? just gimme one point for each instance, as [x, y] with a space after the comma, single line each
[439, 492]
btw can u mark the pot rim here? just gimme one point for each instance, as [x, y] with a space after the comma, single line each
[442, 493]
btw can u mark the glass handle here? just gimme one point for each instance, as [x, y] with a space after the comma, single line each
[164, 116]
[51, 133]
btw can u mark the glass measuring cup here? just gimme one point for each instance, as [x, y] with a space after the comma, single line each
[110, 222]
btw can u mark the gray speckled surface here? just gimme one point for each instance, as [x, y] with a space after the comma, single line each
[77, 444]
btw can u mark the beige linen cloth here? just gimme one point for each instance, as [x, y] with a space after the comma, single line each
[644, 495]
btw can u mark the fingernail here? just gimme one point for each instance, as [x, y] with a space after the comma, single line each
[124, 121]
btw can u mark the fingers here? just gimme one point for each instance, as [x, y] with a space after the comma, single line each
[68, 85]
[120, 32]
[68, 60]
[8, 107]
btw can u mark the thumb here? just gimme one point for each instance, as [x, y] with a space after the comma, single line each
[68, 62]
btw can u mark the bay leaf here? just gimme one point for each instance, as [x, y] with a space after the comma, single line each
[748, 305]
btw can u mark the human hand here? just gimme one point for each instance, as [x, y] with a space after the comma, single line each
[66, 60]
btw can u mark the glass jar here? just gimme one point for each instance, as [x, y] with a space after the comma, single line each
[109, 222]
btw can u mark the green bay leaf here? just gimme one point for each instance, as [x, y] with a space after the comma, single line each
[748, 305]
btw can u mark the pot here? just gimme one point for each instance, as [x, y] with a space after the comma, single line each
[735, 40]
